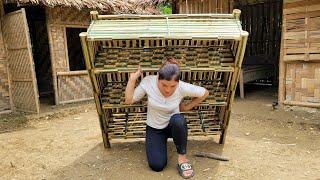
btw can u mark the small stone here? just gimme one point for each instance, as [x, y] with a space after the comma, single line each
[207, 169]
[247, 133]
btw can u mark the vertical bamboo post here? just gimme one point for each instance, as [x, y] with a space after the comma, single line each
[234, 82]
[12, 107]
[96, 92]
[53, 64]
[282, 68]
[94, 15]
[236, 13]
[241, 83]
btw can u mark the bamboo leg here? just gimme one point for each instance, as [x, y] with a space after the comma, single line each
[235, 78]
[224, 131]
[241, 84]
[96, 91]
[104, 134]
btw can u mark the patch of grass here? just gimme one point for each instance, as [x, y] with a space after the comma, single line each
[11, 122]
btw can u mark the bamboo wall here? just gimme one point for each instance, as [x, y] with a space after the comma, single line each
[263, 20]
[203, 6]
[4, 80]
[69, 86]
[300, 60]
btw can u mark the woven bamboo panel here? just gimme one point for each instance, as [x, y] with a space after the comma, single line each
[299, 68]
[196, 57]
[113, 86]
[20, 62]
[131, 122]
[17, 65]
[301, 31]
[73, 88]
[190, 53]
[68, 16]
[58, 19]
[23, 90]
[4, 87]
[58, 48]
[204, 6]
[303, 82]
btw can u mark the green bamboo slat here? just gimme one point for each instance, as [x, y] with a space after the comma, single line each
[215, 69]
[173, 16]
[165, 27]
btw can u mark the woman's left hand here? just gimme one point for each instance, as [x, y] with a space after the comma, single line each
[184, 107]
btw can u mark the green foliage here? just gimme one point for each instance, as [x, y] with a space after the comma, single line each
[165, 8]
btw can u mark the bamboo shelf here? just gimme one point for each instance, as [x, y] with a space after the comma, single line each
[209, 47]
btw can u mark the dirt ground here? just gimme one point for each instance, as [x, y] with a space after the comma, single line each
[66, 143]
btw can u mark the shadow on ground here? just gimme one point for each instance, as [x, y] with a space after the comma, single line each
[128, 161]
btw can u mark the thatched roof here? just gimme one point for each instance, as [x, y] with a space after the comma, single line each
[110, 6]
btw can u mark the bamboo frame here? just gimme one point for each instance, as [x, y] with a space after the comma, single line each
[101, 115]
[235, 79]
[127, 121]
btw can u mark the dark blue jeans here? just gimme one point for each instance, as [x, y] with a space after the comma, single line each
[156, 141]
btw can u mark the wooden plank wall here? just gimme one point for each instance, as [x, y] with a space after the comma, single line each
[300, 55]
[203, 6]
[5, 99]
[65, 86]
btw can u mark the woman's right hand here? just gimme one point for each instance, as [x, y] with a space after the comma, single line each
[135, 75]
